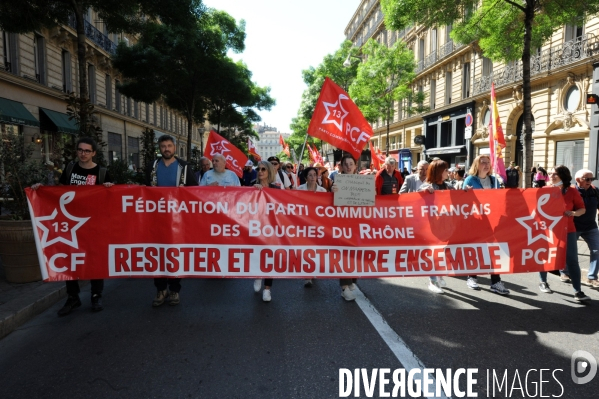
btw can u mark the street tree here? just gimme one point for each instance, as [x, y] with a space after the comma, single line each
[332, 67]
[383, 80]
[505, 30]
[234, 101]
[181, 65]
[128, 16]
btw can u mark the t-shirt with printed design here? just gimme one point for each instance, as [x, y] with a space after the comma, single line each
[83, 177]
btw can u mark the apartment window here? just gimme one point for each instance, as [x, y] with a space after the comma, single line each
[67, 80]
[466, 80]
[572, 99]
[117, 97]
[39, 58]
[133, 155]
[108, 92]
[91, 83]
[433, 41]
[11, 60]
[155, 115]
[570, 154]
[448, 33]
[433, 94]
[161, 117]
[487, 66]
[128, 111]
[448, 87]
[572, 32]
[147, 113]
[115, 148]
[135, 110]
[420, 49]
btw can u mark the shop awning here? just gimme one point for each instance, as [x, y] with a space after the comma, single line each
[15, 113]
[57, 122]
[460, 149]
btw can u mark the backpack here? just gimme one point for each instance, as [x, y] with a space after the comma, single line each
[512, 177]
[101, 174]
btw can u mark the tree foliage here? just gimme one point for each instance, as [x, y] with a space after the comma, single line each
[189, 70]
[505, 30]
[332, 67]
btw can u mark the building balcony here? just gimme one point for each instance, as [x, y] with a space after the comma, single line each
[95, 35]
[438, 55]
[570, 52]
[352, 31]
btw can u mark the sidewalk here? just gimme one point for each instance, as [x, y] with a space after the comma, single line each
[20, 303]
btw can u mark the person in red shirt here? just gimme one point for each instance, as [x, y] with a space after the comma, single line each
[560, 177]
[388, 180]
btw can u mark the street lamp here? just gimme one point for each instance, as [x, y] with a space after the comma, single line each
[347, 62]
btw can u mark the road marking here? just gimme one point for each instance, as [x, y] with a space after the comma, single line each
[399, 348]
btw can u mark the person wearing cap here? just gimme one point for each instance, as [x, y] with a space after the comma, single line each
[388, 180]
[249, 174]
[281, 179]
[219, 176]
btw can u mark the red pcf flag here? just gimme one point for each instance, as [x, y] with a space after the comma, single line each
[284, 145]
[217, 144]
[378, 159]
[338, 121]
[252, 150]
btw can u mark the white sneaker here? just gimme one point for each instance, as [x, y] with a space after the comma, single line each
[266, 295]
[442, 282]
[472, 283]
[348, 295]
[257, 285]
[352, 286]
[432, 286]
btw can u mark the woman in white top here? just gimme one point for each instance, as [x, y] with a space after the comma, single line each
[311, 176]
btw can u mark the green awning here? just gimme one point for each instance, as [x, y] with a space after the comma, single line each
[15, 113]
[57, 122]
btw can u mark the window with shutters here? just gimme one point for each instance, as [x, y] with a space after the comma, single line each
[433, 94]
[108, 92]
[570, 154]
[448, 87]
[67, 80]
[117, 97]
[39, 58]
[10, 53]
[466, 80]
[91, 83]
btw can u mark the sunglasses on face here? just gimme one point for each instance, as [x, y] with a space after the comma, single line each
[84, 151]
[274, 163]
[587, 179]
[262, 169]
[289, 167]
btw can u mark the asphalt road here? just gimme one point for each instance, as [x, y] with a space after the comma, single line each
[222, 341]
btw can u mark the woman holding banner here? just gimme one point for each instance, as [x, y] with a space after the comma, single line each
[349, 166]
[266, 179]
[311, 177]
[436, 174]
[560, 177]
[480, 178]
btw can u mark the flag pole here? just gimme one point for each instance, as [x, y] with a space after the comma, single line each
[302, 153]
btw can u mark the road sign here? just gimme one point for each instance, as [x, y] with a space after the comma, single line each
[468, 132]
[469, 119]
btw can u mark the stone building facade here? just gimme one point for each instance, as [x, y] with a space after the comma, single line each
[456, 80]
[39, 68]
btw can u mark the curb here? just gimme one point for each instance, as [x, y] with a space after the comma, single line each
[22, 309]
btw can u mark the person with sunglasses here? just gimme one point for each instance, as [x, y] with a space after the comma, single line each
[292, 176]
[83, 172]
[586, 224]
[281, 179]
[560, 177]
[266, 179]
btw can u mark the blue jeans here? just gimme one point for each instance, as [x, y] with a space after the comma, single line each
[572, 266]
[591, 237]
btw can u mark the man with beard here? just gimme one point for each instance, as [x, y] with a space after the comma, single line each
[169, 171]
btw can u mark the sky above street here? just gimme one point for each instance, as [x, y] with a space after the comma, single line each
[282, 39]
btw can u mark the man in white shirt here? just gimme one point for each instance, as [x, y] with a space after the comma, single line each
[281, 178]
[219, 176]
[413, 182]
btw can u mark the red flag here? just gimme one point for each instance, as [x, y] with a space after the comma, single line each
[252, 151]
[284, 145]
[376, 162]
[496, 138]
[217, 144]
[338, 121]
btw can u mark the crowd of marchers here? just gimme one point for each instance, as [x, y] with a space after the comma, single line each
[580, 197]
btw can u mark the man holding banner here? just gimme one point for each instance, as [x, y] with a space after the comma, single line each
[169, 171]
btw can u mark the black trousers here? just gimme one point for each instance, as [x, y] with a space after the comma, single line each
[73, 287]
[174, 284]
[495, 278]
[347, 281]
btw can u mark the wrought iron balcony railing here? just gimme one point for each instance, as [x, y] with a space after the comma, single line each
[95, 35]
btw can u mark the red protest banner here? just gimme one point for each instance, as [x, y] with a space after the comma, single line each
[248, 233]
[217, 144]
[338, 121]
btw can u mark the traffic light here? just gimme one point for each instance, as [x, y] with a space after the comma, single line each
[592, 99]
